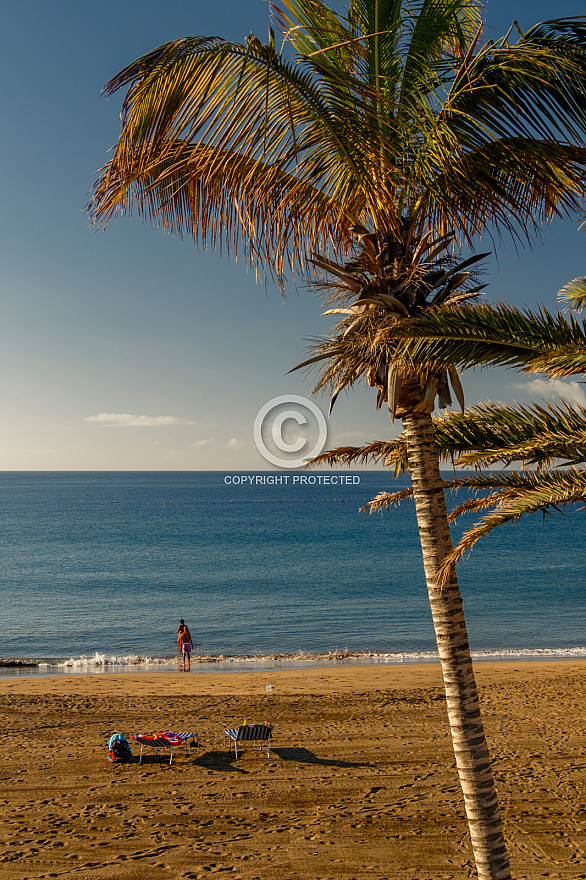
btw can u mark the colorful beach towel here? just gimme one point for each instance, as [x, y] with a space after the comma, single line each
[167, 739]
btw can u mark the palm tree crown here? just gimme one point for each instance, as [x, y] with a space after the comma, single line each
[382, 113]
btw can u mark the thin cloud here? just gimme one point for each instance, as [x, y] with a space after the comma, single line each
[235, 443]
[128, 420]
[551, 389]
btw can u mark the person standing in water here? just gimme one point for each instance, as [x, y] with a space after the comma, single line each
[185, 643]
[179, 630]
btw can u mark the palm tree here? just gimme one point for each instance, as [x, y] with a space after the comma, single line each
[379, 134]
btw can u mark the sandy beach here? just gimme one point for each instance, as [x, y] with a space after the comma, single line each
[360, 782]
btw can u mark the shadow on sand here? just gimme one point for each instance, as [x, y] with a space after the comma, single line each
[304, 756]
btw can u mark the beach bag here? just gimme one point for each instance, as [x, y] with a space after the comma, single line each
[118, 749]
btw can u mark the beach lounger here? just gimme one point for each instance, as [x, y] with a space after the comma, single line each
[166, 740]
[253, 733]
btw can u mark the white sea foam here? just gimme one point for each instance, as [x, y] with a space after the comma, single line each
[536, 653]
[104, 662]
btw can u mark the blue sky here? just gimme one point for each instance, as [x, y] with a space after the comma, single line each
[127, 349]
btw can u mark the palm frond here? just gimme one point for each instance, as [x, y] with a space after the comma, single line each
[386, 500]
[233, 142]
[501, 335]
[513, 183]
[511, 496]
[519, 495]
[574, 294]
[471, 505]
[315, 27]
[532, 434]
[484, 436]
[386, 111]
[534, 85]
[391, 453]
[507, 143]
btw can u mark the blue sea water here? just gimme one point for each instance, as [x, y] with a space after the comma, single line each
[99, 567]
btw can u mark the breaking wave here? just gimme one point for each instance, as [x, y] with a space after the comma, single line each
[101, 662]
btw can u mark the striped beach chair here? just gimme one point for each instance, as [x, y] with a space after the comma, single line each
[166, 740]
[257, 734]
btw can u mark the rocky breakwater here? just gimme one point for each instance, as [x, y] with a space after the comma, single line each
[14, 661]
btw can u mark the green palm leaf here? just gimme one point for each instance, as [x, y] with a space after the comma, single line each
[490, 434]
[534, 342]
[574, 294]
[381, 113]
[519, 494]
[484, 436]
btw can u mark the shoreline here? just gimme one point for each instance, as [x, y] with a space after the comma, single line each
[360, 783]
[100, 664]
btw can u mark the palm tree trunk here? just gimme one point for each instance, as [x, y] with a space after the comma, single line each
[470, 747]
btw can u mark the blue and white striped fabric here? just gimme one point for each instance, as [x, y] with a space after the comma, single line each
[249, 733]
[178, 738]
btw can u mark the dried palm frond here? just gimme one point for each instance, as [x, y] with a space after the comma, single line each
[385, 500]
[363, 345]
[390, 453]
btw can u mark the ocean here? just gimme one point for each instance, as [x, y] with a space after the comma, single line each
[98, 568]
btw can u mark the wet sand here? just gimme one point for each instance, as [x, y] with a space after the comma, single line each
[360, 782]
